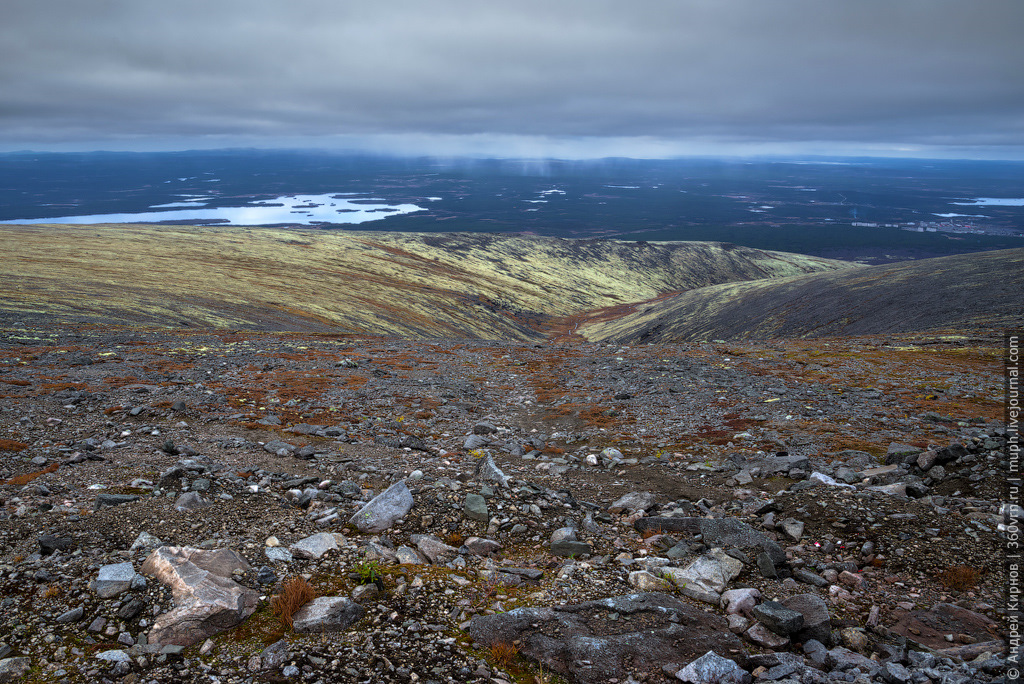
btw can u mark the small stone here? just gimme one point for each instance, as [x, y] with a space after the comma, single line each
[365, 592]
[740, 601]
[314, 546]
[481, 547]
[712, 668]
[632, 502]
[571, 549]
[793, 528]
[645, 581]
[73, 615]
[114, 579]
[266, 575]
[476, 508]
[855, 639]
[277, 554]
[762, 636]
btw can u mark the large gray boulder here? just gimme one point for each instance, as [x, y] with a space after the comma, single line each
[706, 577]
[206, 600]
[384, 510]
[587, 644]
[327, 614]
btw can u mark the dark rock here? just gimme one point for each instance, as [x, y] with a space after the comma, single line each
[951, 453]
[567, 547]
[778, 618]
[766, 566]
[817, 622]
[266, 575]
[131, 609]
[73, 615]
[900, 453]
[484, 428]
[106, 500]
[583, 643]
[722, 532]
[48, 543]
[808, 577]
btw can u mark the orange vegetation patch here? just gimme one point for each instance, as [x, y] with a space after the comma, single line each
[16, 383]
[115, 381]
[295, 593]
[11, 445]
[959, 578]
[166, 366]
[19, 480]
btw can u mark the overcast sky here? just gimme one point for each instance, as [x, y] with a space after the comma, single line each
[566, 78]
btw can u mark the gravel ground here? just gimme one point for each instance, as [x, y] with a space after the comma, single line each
[284, 436]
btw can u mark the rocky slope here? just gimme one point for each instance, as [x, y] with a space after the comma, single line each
[470, 511]
[982, 291]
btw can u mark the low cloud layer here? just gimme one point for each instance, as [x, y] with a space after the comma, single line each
[656, 76]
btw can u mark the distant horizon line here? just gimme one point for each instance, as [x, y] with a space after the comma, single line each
[767, 157]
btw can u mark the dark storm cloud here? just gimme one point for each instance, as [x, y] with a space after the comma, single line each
[668, 73]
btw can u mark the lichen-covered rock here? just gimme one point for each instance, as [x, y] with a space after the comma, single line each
[384, 510]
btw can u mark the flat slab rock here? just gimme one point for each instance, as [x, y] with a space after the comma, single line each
[723, 532]
[592, 642]
[929, 627]
[206, 600]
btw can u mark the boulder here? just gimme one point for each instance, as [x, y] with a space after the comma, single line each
[13, 669]
[817, 622]
[722, 532]
[327, 614]
[114, 579]
[206, 600]
[707, 577]
[712, 668]
[314, 546]
[384, 510]
[587, 644]
[488, 471]
[778, 618]
[476, 508]
[632, 502]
